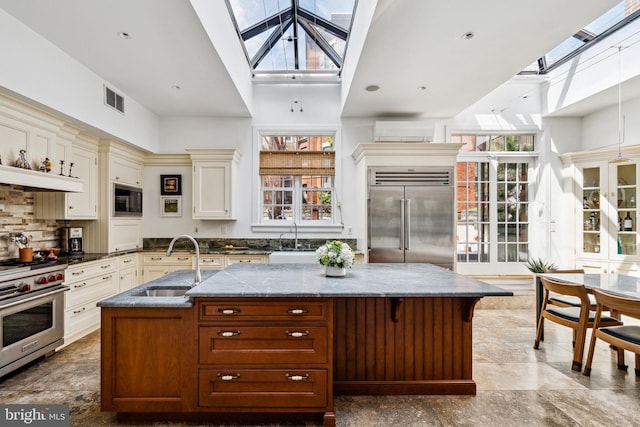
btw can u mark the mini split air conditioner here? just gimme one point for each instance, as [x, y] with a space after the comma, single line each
[403, 131]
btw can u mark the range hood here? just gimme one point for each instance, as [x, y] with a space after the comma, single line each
[37, 181]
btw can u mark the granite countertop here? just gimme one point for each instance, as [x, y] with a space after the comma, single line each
[362, 280]
[180, 278]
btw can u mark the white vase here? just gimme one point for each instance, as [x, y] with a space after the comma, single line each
[333, 271]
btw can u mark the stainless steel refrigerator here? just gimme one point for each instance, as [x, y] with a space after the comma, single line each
[411, 215]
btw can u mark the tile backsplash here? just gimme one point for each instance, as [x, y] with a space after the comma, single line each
[17, 216]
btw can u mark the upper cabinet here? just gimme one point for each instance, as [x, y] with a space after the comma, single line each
[125, 171]
[84, 157]
[214, 181]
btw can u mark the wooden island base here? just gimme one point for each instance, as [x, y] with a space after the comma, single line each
[285, 345]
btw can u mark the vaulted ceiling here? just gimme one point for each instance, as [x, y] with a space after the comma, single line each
[402, 45]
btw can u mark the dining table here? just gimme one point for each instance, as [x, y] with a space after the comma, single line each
[617, 284]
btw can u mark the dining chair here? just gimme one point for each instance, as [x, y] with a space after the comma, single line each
[568, 300]
[579, 319]
[621, 337]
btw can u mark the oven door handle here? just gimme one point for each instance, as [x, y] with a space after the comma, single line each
[35, 297]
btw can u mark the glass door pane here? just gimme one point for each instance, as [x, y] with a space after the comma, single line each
[591, 210]
[626, 191]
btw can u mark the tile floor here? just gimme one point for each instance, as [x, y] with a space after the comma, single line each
[517, 385]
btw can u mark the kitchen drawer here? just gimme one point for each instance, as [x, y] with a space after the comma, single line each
[93, 288]
[262, 388]
[229, 344]
[259, 310]
[83, 318]
[90, 269]
[212, 262]
[126, 261]
[175, 259]
[255, 259]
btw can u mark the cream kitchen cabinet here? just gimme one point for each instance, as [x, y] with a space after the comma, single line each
[211, 262]
[158, 264]
[70, 206]
[125, 171]
[214, 181]
[240, 258]
[606, 195]
[128, 271]
[125, 234]
[88, 283]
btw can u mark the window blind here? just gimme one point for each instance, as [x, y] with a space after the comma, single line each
[297, 163]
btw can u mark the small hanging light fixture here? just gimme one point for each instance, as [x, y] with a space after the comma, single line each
[620, 159]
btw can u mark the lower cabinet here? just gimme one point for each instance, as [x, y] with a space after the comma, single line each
[128, 272]
[158, 264]
[270, 356]
[88, 283]
[143, 369]
[237, 358]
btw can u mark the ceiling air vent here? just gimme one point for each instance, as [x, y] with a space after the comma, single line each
[113, 99]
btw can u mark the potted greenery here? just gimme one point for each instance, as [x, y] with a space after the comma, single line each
[539, 266]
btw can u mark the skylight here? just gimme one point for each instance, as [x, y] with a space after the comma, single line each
[290, 36]
[611, 21]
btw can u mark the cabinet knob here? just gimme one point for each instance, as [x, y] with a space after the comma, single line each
[228, 333]
[70, 207]
[228, 311]
[297, 311]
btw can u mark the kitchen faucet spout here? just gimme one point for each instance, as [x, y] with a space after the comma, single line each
[295, 226]
[197, 277]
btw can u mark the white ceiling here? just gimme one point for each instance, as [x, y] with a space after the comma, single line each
[410, 43]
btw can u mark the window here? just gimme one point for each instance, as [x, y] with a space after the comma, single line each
[297, 179]
[492, 179]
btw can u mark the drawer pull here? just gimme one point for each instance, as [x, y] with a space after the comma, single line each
[297, 311]
[297, 377]
[127, 261]
[228, 377]
[77, 273]
[79, 311]
[183, 259]
[107, 277]
[105, 266]
[228, 311]
[228, 333]
[297, 334]
[81, 285]
[157, 258]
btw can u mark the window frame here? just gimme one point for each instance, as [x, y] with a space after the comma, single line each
[335, 225]
[494, 158]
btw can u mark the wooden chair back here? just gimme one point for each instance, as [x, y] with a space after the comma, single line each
[620, 304]
[562, 288]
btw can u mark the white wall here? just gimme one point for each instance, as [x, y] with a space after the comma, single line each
[42, 73]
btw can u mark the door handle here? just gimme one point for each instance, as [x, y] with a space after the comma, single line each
[402, 220]
[407, 212]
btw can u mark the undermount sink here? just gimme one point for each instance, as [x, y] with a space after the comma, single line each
[293, 256]
[164, 291]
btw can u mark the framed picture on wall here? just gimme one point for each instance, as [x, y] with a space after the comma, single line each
[170, 206]
[171, 185]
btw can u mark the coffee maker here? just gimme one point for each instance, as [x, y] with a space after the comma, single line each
[72, 241]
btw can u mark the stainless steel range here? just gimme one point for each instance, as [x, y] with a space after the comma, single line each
[31, 312]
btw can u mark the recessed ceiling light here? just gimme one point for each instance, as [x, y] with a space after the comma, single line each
[372, 88]
[468, 35]
[124, 35]
[422, 88]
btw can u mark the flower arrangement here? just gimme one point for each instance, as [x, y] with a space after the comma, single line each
[335, 254]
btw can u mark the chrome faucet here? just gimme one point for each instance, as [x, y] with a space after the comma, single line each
[281, 240]
[198, 277]
[295, 226]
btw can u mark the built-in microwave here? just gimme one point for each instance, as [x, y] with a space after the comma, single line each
[127, 201]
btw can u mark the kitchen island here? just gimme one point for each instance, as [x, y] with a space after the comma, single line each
[282, 339]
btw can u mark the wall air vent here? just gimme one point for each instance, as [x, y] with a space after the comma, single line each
[113, 99]
[421, 176]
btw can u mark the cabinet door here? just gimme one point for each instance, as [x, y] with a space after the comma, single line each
[593, 181]
[125, 171]
[153, 272]
[125, 234]
[83, 205]
[623, 191]
[211, 190]
[128, 278]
